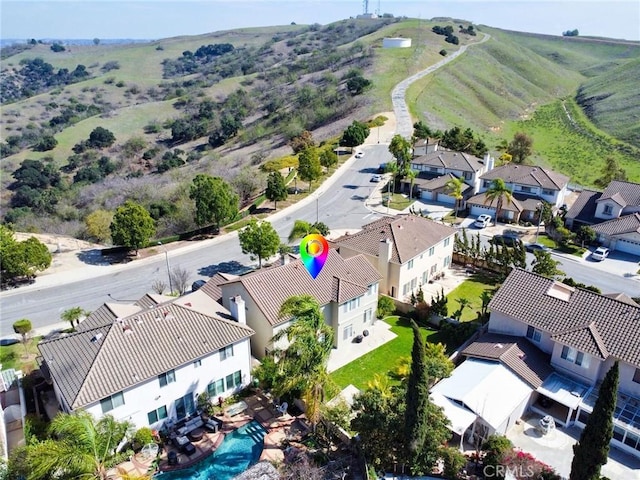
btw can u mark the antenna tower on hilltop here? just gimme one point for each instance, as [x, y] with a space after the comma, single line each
[365, 6]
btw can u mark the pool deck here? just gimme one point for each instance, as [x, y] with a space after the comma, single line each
[259, 407]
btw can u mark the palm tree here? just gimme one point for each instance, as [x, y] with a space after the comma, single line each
[411, 174]
[303, 363]
[73, 315]
[80, 447]
[301, 229]
[499, 192]
[454, 189]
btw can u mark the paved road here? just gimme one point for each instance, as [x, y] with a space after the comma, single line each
[340, 203]
[404, 123]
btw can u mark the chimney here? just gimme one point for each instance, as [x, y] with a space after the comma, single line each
[489, 161]
[236, 307]
[384, 256]
[285, 258]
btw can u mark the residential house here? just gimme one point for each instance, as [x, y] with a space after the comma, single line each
[408, 251]
[614, 214]
[346, 289]
[149, 366]
[560, 342]
[435, 166]
[529, 185]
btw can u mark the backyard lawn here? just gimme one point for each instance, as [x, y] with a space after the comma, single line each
[14, 356]
[384, 358]
[470, 289]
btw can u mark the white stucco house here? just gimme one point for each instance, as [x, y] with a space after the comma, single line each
[435, 166]
[549, 345]
[614, 214]
[346, 289]
[407, 250]
[149, 365]
[529, 185]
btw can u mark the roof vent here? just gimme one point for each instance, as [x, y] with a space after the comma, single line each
[158, 318]
[522, 356]
[138, 320]
[498, 345]
[127, 329]
[188, 304]
[96, 337]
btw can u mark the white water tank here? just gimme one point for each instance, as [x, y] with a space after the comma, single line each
[396, 42]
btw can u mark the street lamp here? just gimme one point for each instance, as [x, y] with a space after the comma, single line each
[166, 257]
[539, 210]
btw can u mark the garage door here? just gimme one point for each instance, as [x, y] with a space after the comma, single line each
[446, 199]
[426, 195]
[627, 246]
[480, 209]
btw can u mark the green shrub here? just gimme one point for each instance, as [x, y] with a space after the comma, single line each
[143, 436]
[386, 307]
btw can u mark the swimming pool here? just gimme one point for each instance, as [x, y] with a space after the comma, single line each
[238, 451]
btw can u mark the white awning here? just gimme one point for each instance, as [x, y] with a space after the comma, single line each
[488, 389]
[459, 417]
[563, 390]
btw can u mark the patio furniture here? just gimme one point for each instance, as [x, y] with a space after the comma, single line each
[180, 441]
[188, 448]
[149, 451]
[282, 409]
[172, 457]
[191, 425]
[212, 425]
[546, 424]
[196, 435]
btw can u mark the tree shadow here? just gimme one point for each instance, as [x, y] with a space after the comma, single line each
[233, 267]
[95, 257]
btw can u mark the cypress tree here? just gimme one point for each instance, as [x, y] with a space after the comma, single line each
[592, 450]
[417, 398]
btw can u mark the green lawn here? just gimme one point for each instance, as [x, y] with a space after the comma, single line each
[384, 358]
[399, 201]
[576, 250]
[470, 289]
[13, 356]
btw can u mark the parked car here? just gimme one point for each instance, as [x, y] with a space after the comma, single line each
[532, 247]
[376, 178]
[506, 240]
[382, 168]
[482, 221]
[359, 154]
[600, 254]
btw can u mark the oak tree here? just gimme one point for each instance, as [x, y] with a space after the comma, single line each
[132, 226]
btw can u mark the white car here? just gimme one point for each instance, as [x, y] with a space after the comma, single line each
[376, 178]
[359, 154]
[600, 254]
[482, 221]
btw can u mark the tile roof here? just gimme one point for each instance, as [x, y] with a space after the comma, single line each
[619, 226]
[622, 297]
[93, 364]
[623, 193]
[340, 279]
[516, 353]
[584, 208]
[212, 287]
[410, 234]
[611, 325]
[528, 175]
[106, 314]
[450, 160]
[152, 299]
[430, 182]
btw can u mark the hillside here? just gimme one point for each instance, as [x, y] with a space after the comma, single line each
[225, 102]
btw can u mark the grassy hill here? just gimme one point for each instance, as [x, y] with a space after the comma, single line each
[295, 78]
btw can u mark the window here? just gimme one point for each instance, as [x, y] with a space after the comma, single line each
[368, 315]
[432, 250]
[534, 334]
[608, 210]
[636, 375]
[414, 283]
[373, 289]
[486, 184]
[347, 332]
[434, 268]
[185, 406]
[410, 264]
[234, 380]
[351, 305]
[226, 352]
[433, 169]
[447, 261]
[447, 241]
[197, 363]
[167, 378]
[405, 288]
[216, 388]
[574, 356]
[546, 191]
[111, 402]
[156, 415]
[467, 175]
[524, 188]
[425, 277]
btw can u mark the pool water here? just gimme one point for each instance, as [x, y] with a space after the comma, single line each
[237, 452]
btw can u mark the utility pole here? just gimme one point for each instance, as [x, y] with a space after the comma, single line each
[166, 257]
[539, 209]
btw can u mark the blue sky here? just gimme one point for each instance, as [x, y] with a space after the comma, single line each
[151, 19]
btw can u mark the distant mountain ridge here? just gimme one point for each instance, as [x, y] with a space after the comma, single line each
[7, 42]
